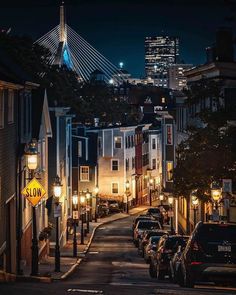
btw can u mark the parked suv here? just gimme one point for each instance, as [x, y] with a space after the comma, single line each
[154, 212]
[210, 254]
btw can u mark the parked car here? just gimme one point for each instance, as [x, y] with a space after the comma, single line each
[144, 241]
[140, 217]
[103, 210]
[143, 225]
[154, 212]
[151, 248]
[175, 263]
[210, 254]
[166, 248]
[113, 206]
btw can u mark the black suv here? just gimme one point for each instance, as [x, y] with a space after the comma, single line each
[210, 254]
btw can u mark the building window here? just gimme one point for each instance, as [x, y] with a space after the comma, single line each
[117, 142]
[154, 164]
[169, 171]
[10, 106]
[133, 162]
[79, 149]
[84, 173]
[169, 134]
[1, 109]
[127, 164]
[163, 100]
[114, 188]
[114, 165]
[153, 143]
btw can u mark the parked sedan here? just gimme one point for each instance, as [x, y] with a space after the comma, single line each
[151, 248]
[143, 225]
[175, 263]
[210, 254]
[167, 246]
[144, 241]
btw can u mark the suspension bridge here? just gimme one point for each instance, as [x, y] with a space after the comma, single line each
[68, 48]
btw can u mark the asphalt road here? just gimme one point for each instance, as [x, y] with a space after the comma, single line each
[112, 267]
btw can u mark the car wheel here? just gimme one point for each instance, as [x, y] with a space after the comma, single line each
[160, 273]
[152, 271]
[188, 281]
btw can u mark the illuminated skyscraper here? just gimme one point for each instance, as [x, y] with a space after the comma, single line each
[160, 53]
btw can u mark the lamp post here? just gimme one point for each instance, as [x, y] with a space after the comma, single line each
[31, 154]
[75, 218]
[161, 197]
[96, 190]
[57, 188]
[171, 201]
[150, 190]
[88, 195]
[82, 201]
[195, 203]
[127, 195]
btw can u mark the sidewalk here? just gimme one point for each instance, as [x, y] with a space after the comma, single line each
[68, 262]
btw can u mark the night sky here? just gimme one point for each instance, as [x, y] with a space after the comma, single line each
[117, 28]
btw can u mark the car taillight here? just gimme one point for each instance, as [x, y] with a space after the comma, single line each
[196, 262]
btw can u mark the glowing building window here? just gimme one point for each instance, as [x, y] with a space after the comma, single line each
[169, 171]
[117, 142]
[163, 100]
[84, 173]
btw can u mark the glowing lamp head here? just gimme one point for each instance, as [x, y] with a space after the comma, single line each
[170, 200]
[195, 201]
[216, 194]
[161, 197]
[151, 181]
[57, 187]
[111, 81]
[31, 154]
[75, 198]
[88, 194]
[96, 190]
[82, 200]
[127, 184]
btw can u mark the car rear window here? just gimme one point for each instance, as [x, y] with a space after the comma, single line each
[175, 242]
[144, 224]
[216, 232]
[155, 239]
[154, 210]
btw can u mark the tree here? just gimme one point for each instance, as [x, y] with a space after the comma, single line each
[209, 153]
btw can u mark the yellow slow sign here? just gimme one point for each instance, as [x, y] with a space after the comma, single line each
[33, 192]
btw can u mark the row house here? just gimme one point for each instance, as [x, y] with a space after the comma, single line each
[221, 68]
[112, 156]
[60, 164]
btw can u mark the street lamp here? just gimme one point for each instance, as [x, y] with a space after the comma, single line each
[195, 203]
[75, 218]
[31, 154]
[150, 190]
[161, 197]
[127, 185]
[96, 190]
[171, 201]
[57, 189]
[88, 195]
[82, 202]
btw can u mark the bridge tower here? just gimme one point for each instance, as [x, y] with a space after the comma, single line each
[63, 54]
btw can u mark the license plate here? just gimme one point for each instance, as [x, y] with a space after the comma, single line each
[224, 248]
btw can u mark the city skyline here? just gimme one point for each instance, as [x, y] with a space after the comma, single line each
[118, 28]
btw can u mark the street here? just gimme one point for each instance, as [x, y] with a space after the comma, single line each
[112, 266]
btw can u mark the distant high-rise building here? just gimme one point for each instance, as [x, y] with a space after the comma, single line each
[176, 76]
[160, 53]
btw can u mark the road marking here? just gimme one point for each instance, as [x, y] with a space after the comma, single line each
[86, 291]
[93, 252]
